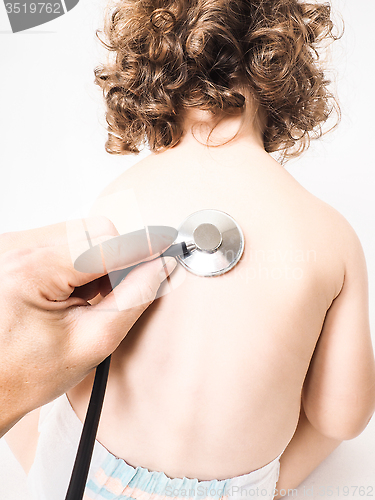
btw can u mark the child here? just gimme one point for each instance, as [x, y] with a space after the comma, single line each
[240, 384]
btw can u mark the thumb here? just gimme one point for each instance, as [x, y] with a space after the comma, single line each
[140, 287]
[107, 323]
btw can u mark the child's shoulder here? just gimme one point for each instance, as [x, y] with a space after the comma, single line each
[335, 224]
[141, 172]
[336, 241]
[321, 223]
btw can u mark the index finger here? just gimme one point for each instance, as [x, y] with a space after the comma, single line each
[57, 277]
[126, 250]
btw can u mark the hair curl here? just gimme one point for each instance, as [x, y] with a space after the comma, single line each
[171, 55]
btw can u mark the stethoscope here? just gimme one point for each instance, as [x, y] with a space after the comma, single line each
[208, 243]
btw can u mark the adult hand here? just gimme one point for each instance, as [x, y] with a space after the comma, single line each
[50, 335]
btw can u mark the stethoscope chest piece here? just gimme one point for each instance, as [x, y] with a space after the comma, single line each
[219, 242]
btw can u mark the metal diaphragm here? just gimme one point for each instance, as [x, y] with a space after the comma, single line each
[219, 241]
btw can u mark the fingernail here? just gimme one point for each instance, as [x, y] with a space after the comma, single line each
[169, 266]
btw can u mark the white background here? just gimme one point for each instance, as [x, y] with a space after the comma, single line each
[53, 162]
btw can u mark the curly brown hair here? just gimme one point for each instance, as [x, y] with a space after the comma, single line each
[172, 55]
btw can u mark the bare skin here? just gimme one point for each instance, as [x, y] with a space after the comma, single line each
[209, 382]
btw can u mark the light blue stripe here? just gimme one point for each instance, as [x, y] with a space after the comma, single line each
[100, 493]
[153, 482]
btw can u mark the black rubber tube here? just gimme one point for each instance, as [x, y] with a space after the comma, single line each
[76, 488]
[77, 484]
[81, 467]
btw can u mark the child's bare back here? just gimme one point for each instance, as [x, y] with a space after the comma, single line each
[208, 383]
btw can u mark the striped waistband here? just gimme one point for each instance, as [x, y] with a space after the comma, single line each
[117, 480]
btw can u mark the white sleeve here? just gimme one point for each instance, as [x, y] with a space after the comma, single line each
[13, 479]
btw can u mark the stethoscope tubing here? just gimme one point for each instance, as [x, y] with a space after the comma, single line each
[86, 445]
[82, 462]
